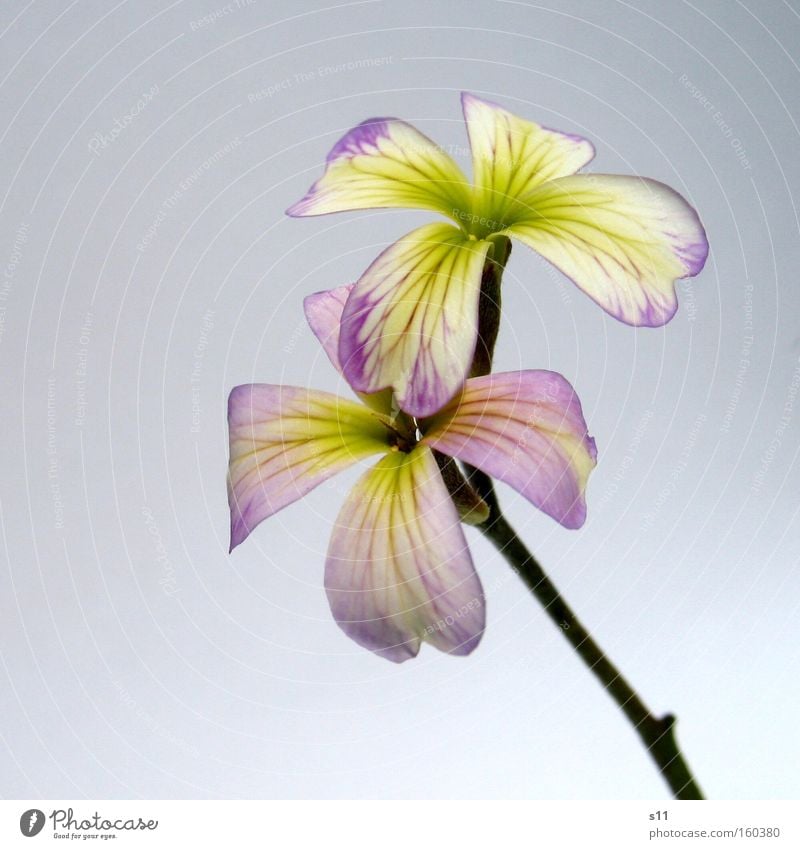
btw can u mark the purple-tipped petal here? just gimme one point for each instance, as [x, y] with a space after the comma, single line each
[411, 322]
[285, 441]
[399, 571]
[525, 428]
[324, 315]
[623, 240]
[384, 162]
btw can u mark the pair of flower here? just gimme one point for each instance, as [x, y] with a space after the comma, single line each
[398, 569]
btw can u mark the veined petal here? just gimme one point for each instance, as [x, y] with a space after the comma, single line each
[285, 441]
[412, 320]
[525, 428]
[324, 315]
[623, 240]
[398, 569]
[385, 162]
[512, 156]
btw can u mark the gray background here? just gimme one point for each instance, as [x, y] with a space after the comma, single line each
[138, 657]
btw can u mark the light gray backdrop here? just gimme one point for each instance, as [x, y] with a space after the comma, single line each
[148, 153]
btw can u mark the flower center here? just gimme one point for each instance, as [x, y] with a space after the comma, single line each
[478, 225]
[404, 433]
[400, 443]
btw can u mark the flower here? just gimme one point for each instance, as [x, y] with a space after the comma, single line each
[411, 322]
[398, 568]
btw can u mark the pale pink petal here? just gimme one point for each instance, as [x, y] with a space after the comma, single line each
[525, 428]
[324, 315]
[399, 571]
[285, 441]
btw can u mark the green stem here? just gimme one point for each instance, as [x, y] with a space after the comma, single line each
[657, 733]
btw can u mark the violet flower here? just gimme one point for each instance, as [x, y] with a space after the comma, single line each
[398, 568]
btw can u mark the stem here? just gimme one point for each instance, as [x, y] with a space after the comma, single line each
[657, 734]
[489, 306]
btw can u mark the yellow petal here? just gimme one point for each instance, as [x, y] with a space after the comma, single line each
[411, 322]
[511, 157]
[384, 162]
[623, 240]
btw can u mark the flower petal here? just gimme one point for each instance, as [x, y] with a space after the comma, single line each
[512, 156]
[384, 162]
[398, 569]
[412, 320]
[285, 441]
[324, 315]
[525, 428]
[623, 240]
